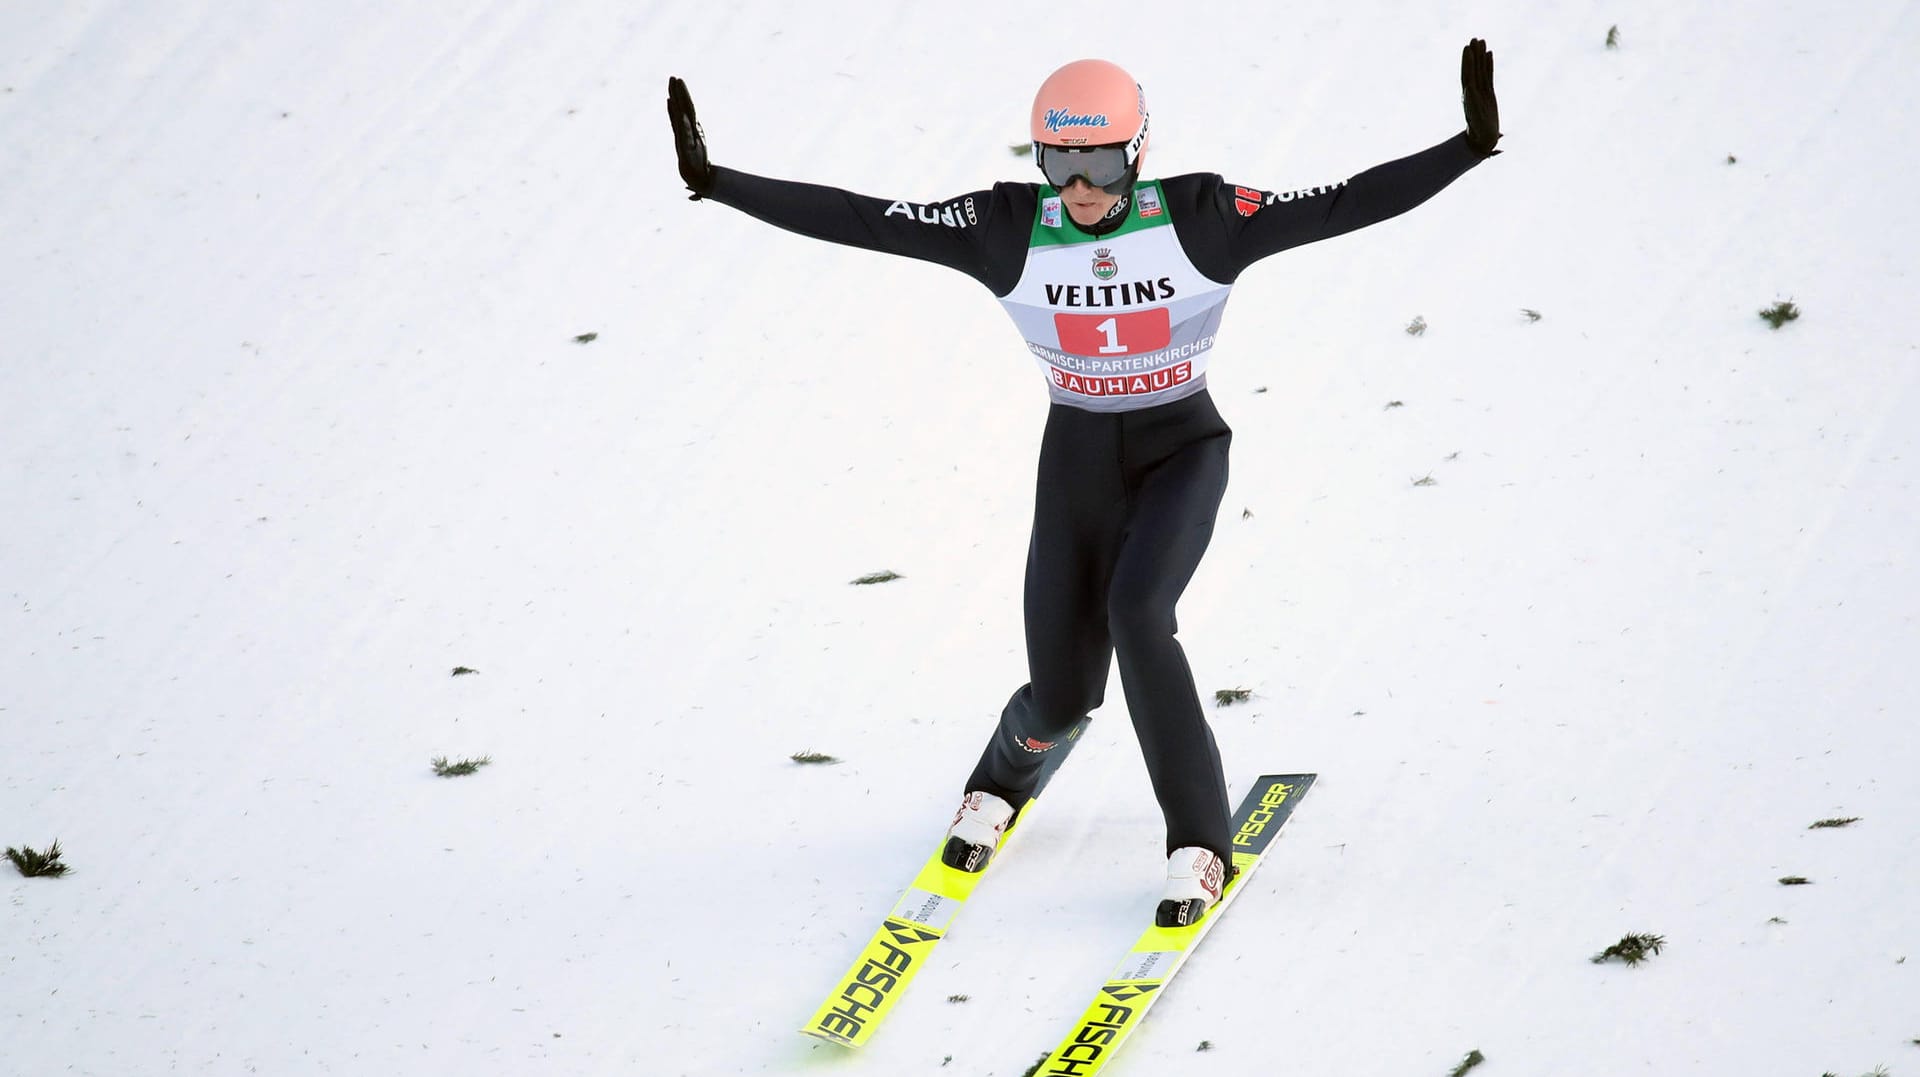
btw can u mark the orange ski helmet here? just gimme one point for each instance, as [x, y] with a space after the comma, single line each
[1085, 106]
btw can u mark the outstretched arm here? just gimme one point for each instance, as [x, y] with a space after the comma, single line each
[972, 233]
[1237, 226]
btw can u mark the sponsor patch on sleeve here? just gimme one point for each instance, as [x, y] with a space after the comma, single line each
[951, 214]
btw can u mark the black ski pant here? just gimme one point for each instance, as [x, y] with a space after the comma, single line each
[1123, 510]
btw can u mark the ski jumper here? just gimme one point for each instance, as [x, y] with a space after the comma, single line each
[1121, 319]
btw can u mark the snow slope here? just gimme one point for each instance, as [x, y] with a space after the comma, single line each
[294, 422]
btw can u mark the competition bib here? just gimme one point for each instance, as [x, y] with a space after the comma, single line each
[1116, 322]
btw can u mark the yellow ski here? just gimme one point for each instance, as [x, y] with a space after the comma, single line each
[906, 938]
[1137, 982]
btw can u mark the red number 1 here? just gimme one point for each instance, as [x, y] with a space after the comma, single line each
[1131, 333]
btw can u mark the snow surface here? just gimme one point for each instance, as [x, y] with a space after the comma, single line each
[294, 422]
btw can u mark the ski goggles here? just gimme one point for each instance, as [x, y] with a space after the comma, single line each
[1109, 168]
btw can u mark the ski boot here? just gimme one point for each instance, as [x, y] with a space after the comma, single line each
[1195, 879]
[976, 831]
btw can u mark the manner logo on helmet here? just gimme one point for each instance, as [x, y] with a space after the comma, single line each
[1247, 201]
[1059, 117]
[1104, 267]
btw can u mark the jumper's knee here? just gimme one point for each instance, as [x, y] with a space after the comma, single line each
[1138, 622]
[1038, 719]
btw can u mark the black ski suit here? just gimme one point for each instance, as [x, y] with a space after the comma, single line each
[1133, 462]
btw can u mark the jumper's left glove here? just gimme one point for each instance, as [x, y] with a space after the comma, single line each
[688, 141]
[1476, 94]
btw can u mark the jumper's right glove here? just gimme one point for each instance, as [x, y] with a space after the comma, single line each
[688, 141]
[1476, 95]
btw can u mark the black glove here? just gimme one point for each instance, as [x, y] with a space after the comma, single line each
[1476, 94]
[688, 140]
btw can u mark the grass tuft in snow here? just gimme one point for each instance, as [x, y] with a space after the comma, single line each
[1613, 36]
[1830, 824]
[1780, 313]
[1474, 1058]
[464, 671]
[1035, 1068]
[31, 862]
[1417, 327]
[1226, 697]
[1205, 1045]
[877, 577]
[1631, 949]
[446, 769]
[1795, 880]
[586, 338]
[958, 998]
[1426, 480]
[1022, 149]
[814, 757]
[1530, 314]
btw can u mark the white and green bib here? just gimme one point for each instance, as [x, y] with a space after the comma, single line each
[1117, 322]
